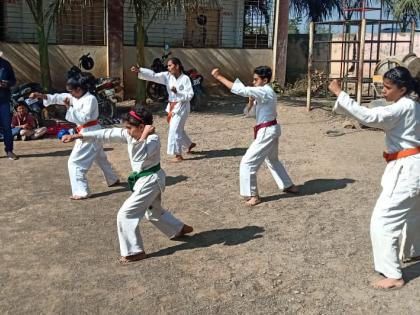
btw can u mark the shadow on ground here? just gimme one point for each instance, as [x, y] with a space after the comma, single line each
[228, 237]
[312, 187]
[411, 272]
[217, 153]
[53, 153]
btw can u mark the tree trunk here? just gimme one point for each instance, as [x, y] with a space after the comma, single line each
[140, 40]
[43, 58]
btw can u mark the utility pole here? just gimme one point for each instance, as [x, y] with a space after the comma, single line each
[281, 29]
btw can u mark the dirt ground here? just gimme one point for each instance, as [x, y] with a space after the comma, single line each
[306, 254]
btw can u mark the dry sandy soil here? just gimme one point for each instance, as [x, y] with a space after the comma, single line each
[306, 254]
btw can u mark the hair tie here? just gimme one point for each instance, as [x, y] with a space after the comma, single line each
[135, 116]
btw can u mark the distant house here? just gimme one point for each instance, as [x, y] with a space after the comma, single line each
[237, 34]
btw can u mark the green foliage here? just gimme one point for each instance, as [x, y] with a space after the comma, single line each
[294, 25]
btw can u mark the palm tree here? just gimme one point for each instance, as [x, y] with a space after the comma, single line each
[146, 12]
[405, 10]
[44, 20]
[316, 10]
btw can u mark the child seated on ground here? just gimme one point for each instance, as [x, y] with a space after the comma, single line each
[24, 125]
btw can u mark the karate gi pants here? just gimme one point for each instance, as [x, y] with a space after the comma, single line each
[398, 204]
[264, 147]
[84, 153]
[177, 137]
[144, 201]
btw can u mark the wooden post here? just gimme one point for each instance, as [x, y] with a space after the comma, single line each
[362, 38]
[310, 57]
[281, 29]
[114, 40]
[412, 34]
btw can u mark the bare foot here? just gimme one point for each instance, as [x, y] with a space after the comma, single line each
[253, 201]
[292, 189]
[186, 229]
[115, 184]
[177, 159]
[388, 283]
[192, 146]
[75, 197]
[128, 259]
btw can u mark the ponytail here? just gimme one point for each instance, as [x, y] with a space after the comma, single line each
[82, 80]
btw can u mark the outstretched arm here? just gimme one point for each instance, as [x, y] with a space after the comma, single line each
[383, 117]
[103, 135]
[149, 75]
[219, 77]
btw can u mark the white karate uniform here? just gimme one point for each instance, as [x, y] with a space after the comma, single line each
[177, 137]
[84, 153]
[146, 197]
[265, 146]
[399, 201]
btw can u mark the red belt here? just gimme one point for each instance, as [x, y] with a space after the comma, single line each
[88, 124]
[263, 125]
[400, 154]
[171, 108]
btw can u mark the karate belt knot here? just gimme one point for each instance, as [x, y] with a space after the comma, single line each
[263, 125]
[134, 176]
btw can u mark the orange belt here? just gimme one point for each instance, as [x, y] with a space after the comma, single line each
[88, 124]
[171, 108]
[400, 154]
[263, 125]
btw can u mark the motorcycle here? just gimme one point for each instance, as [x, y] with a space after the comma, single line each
[157, 92]
[105, 89]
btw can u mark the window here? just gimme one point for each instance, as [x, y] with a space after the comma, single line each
[258, 23]
[82, 25]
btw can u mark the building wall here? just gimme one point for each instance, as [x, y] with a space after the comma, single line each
[171, 28]
[234, 62]
[25, 61]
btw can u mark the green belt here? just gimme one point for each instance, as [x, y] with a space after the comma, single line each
[134, 176]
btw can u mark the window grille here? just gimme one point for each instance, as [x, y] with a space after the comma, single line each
[75, 26]
[258, 23]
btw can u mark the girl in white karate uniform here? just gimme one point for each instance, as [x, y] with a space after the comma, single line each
[266, 134]
[147, 183]
[180, 94]
[82, 109]
[399, 202]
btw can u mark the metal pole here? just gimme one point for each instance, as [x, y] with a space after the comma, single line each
[310, 56]
[361, 61]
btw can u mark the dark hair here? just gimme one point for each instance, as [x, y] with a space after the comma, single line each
[264, 72]
[145, 115]
[83, 80]
[177, 62]
[21, 104]
[401, 77]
